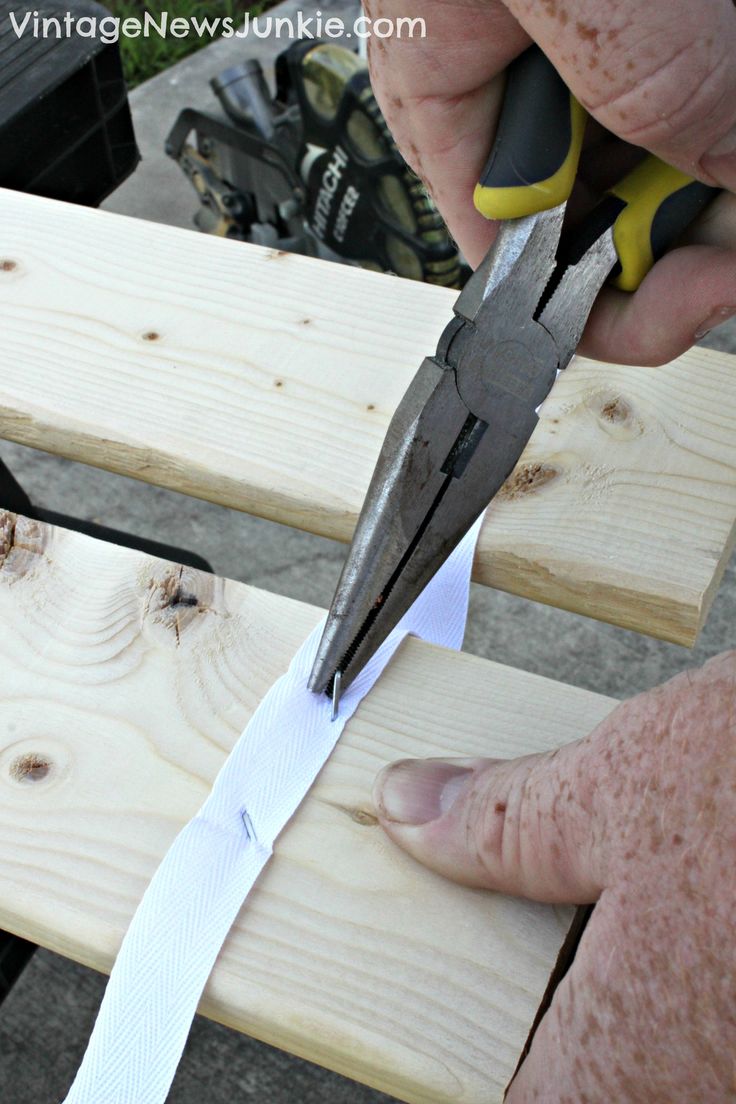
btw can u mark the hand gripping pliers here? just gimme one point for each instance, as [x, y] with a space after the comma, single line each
[470, 410]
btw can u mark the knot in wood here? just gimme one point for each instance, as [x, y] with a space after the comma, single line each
[363, 817]
[22, 542]
[7, 535]
[30, 768]
[177, 597]
[526, 479]
[615, 415]
[615, 410]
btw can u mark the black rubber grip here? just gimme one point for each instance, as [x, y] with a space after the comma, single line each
[659, 203]
[675, 214]
[535, 131]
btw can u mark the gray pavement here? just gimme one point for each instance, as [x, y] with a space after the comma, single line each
[46, 1021]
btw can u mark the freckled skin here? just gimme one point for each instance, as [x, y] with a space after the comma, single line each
[655, 973]
[657, 75]
[640, 816]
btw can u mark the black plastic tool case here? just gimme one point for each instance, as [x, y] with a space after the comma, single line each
[65, 125]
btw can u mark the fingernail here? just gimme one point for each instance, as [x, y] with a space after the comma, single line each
[719, 315]
[720, 161]
[417, 791]
[726, 146]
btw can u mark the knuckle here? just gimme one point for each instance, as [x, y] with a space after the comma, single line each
[511, 823]
[641, 342]
[494, 824]
[490, 834]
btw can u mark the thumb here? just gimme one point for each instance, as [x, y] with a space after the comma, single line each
[522, 826]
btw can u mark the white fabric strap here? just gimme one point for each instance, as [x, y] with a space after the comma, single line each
[194, 897]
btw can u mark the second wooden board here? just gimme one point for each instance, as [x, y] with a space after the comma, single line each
[265, 381]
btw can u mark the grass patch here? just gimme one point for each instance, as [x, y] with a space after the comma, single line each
[145, 57]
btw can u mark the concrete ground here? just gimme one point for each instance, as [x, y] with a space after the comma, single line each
[46, 1021]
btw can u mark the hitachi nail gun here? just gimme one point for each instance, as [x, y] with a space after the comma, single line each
[312, 168]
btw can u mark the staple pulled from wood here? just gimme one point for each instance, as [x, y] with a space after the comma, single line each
[248, 825]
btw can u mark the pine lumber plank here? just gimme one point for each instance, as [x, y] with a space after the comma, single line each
[265, 381]
[118, 704]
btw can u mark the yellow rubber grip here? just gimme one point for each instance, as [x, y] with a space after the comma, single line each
[649, 223]
[533, 196]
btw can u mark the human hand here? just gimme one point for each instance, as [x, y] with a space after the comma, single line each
[658, 75]
[640, 816]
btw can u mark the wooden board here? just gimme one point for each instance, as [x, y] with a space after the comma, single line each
[265, 381]
[117, 707]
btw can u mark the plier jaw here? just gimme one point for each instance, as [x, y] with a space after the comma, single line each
[435, 475]
[453, 441]
[407, 484]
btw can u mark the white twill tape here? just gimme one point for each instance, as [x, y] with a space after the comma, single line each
[196, 893]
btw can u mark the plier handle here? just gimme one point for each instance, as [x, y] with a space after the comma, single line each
[534, 161]
[469, 412]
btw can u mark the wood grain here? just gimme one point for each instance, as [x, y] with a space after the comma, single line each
[119, 700]
[265, 381]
